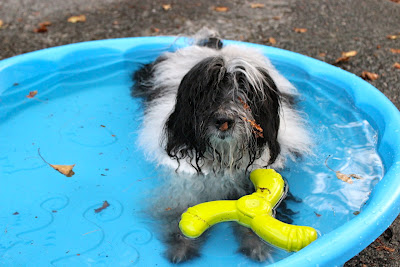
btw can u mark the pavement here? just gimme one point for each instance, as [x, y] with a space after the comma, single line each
[331, 27]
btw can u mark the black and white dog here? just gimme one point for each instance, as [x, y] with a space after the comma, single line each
[212, 114]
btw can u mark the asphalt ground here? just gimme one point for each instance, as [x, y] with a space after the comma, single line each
[332, 27]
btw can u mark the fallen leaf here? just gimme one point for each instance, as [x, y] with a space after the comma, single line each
[300, 30]
[168, 209]
[221, 8]
[396, 1]
[322, 54]
[341, 176]
[75, 19]
[16, 213]
[42, 27]
[32, 94]
[166, 7]
[369, 75]
[155, 30]
[257, 130]
[272, 40]
[64, 169]
[351, 53]
[105, 205]
[245, 106]
[1, 23]
[378, 47]
[346, 56]
[383, 247]
[392, 37]
[276, 18]
[395, 51]
[317, 214]
[396, 65]
[257, 5]
[356, 212]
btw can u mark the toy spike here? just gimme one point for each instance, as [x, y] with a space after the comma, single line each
[253, 211]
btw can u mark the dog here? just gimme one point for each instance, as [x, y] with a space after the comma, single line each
[213, 113]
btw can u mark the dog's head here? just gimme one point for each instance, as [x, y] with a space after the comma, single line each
[227, 112]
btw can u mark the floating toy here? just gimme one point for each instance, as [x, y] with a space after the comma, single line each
[253, 211]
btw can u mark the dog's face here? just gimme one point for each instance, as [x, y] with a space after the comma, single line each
[227, 112]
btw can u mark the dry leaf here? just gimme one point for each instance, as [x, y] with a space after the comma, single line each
[257, 130]
[32, 94]
[245, 106]
[346, 56]
[343, 177]
[16, 213]
[257, 5]
[396, 65]
[356, 213]
[75, 19]
[395, 51]
[276, 18]
[221, 8]
[317, 214]
[300, 30]
[155, 30]
[64, 169]
[322, 54]
[392, 36]
[166, 7]
[271, 40]
[105, 205]
[42, 27]
[396, 1]
[369, 75]
[1, 23]
[351, 53]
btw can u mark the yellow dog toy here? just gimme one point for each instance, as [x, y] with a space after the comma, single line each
[253, 211]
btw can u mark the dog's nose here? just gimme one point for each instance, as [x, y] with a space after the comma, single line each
[224, 123]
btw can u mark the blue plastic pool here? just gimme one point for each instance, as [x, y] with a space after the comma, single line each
[83, 114]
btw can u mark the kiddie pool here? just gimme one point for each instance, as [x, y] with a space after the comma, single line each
[83, 115]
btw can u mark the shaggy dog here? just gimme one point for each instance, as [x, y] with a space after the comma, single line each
[212, 114]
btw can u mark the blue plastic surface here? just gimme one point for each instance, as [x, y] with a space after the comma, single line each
[83, 115]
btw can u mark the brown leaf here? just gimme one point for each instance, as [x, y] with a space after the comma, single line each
[32, 94]
[221, 8]
[351, 53]
[369, 75]
[396, 65]
[166, 7]
[16, 213]
[342, 59]
[42, 27]
[317, 214]
[1, 23]
[395, 51]
[257, 5]
[257, 130]
[75, 19]
[392, 37]
[271, 40]
[356, 212]
[245, 106]
[322, 54]
[64, 169]
[396, 1]
[105, 205]
[343, 177]
[300, 30]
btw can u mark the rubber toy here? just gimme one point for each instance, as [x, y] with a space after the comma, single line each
[254, 211]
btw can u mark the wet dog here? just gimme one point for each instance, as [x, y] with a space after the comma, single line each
[213, 113]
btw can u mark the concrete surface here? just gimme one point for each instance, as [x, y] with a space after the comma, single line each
[333, 26]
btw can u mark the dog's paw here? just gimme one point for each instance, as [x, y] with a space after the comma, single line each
[181, 249]
[257, 251]
[178, 254]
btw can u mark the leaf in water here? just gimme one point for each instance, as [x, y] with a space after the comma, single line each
[105, 205]
[32, 94]
[343, 177]
[64, 169]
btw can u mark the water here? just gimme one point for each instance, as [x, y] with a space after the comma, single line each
[91, 121]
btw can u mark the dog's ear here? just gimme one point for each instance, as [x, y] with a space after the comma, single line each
[197, 93]
[264, 101]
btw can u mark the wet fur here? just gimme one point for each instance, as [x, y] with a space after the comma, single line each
[185, 93]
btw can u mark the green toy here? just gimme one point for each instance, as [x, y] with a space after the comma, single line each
[253, 211]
